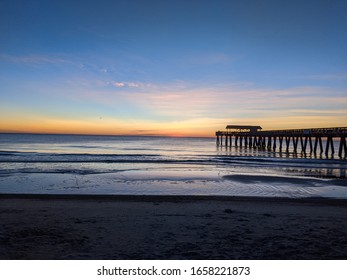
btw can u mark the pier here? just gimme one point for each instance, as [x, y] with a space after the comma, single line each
[307, 140]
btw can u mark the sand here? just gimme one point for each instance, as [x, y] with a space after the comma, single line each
[164, 227]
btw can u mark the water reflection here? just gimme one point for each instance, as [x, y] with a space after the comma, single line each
[256, 152]
[301, 164]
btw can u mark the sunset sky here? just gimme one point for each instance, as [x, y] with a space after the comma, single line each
[179, 68]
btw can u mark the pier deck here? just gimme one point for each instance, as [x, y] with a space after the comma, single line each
[301, 139]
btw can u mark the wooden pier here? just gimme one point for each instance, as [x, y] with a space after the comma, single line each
[303, 140]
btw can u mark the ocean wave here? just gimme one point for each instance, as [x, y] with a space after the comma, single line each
[4, 173]
[35, 157]
[251, 179]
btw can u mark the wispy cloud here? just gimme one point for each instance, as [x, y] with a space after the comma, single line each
[104, 83]
[129, 84]
[119, 84]
[187, 101]
[34, 59]
[185, 109]
[180, 106]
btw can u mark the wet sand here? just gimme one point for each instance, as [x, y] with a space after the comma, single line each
[171, 227]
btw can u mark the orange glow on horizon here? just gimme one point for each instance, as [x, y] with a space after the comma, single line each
[189, 128]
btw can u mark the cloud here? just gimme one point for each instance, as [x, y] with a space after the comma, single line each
[191, 106]
[182, 100]
[119, 84]
[240, 102]
[133, 84]
[130, 84]
[33, 59]
[108, 83]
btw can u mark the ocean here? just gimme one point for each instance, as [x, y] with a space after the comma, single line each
[145, 165]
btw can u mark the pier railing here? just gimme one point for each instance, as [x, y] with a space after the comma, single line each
[310, 139]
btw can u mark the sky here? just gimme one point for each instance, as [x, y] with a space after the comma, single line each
[175, 68]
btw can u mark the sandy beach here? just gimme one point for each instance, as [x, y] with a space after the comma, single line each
[171, 227]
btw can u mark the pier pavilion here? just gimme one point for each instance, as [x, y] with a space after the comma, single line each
[243, 128]
[301, 139]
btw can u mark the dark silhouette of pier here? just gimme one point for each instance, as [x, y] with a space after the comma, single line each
[302, 140]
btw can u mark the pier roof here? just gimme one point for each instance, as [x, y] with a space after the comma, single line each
[242, 127]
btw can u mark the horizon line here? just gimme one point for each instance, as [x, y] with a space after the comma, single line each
[108, 135]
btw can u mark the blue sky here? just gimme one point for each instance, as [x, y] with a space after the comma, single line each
[171, 67]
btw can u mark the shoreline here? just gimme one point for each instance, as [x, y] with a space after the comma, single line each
[173, 198]
[79, 227]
